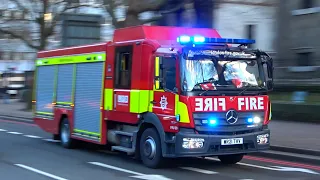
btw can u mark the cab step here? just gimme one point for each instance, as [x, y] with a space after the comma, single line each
[124, 133]
[129, 151]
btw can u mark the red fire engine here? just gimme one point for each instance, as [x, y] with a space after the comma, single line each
[158, 93]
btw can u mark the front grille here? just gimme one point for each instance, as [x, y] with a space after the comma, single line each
[228, 133]
[230, 148]
[223, 127]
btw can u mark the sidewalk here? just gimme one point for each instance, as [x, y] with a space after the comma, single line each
[283, 133]
[295, 134]
[15, 109]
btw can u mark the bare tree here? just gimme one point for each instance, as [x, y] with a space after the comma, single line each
[133, 9]
[43, 15]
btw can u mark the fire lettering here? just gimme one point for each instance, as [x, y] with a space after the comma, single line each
[251, 103]
[210, 104]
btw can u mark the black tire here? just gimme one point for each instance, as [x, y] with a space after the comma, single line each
[231, 159]
[151, 159]
[65, 134]
[56, 137]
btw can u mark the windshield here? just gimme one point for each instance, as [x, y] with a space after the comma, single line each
[210, 73]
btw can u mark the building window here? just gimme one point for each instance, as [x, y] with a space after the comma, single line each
[250, 33]
[123, 67]
[305, 4]
[304, 59]
[6, 55]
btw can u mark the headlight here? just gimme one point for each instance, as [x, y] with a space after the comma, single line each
[263, 139]
[255, 120]
[192, 143]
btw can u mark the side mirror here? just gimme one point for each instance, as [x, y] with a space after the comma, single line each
[270, 68]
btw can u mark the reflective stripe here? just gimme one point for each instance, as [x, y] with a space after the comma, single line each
[176, 101]
[151, 98]
[139, 101]
[73, 82]
[270, 113]
[182, 110]
[81, 58]
[55, 86]
[34, 104]
[157, 67]
[44, 113]
[64, 103]
[102, 100]
[86, 132]
[108, 99]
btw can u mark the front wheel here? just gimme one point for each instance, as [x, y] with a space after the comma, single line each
[65, 135]
[150, 149]
[231, 159]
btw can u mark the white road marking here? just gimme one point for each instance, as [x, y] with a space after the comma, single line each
[244, 164]
[199, 170]
[136, 174]
[51, 140]
[32, 136]
[40, 172]
[2, 130]
[152, 177]
[116, 168]
[14, 133]
[274, 168]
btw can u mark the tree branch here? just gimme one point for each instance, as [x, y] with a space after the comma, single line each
[25, 40]
[110, 6]
[140, 6]
[153, 19]
[175, 9]
[20, 6]
[50, 30]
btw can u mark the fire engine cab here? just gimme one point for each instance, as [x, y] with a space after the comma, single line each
[157, 93]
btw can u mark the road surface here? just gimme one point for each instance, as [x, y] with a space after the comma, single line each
[26, 152]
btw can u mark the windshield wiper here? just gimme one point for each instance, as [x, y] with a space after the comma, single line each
[200, 94]
[248, 87]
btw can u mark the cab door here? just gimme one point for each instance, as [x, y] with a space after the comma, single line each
[165, 92]
[122, 80]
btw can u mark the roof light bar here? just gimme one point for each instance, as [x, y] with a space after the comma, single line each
[200, 39]
[230, 41]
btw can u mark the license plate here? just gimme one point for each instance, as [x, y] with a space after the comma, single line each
[232, 141]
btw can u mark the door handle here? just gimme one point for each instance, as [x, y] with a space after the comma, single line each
[153, 102]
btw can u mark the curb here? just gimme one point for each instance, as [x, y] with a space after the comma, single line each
[295, 150]
[15, 118]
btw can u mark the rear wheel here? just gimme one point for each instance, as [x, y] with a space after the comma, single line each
[231, 159]
[65, 134]
[150, 149]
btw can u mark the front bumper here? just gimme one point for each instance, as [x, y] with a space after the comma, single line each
[212, 144]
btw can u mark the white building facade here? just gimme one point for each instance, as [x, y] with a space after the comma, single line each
[253, 19]
[233, 19]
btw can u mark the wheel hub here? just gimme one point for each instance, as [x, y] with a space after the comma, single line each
[65, 133]
[150, 148]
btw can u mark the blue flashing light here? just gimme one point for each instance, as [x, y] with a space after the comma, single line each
[184, 39]
[200, 39]
[231, 41]
[250, 120]
[212, 122]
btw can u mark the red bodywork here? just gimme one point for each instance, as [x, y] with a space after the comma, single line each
[150, 38]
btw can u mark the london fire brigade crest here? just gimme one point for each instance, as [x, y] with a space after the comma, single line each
[163, 102]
